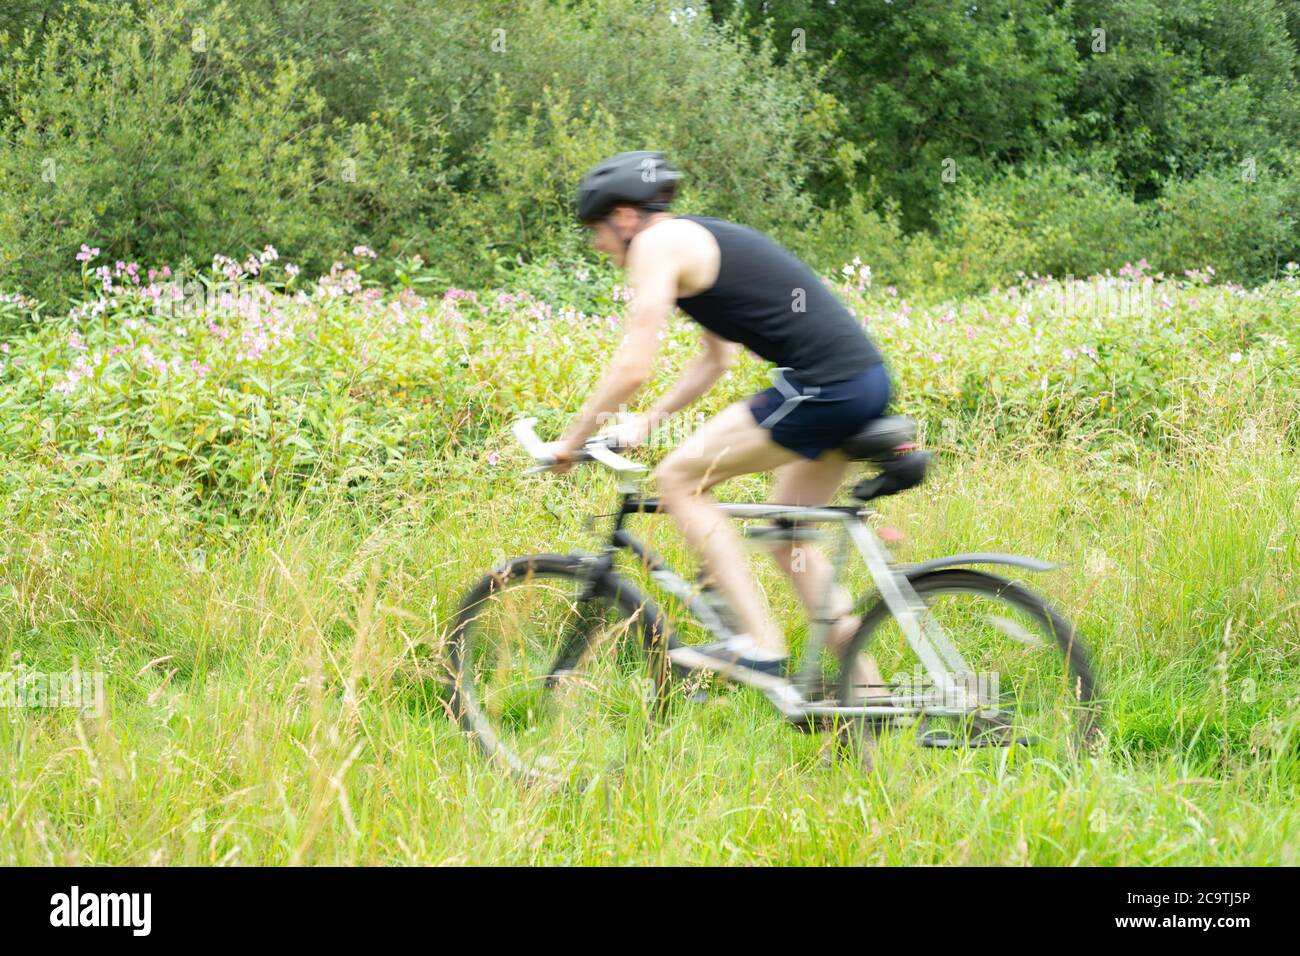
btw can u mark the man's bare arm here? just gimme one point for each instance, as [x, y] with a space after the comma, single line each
[717, 356]
[652, 272]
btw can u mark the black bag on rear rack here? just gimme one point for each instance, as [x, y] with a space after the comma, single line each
[896, 474]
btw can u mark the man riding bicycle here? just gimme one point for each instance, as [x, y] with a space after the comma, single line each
[742, 289]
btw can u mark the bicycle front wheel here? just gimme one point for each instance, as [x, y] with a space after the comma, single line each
[1027, 678]
[554, 673]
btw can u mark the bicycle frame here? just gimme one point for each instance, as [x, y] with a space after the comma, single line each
[940, 657]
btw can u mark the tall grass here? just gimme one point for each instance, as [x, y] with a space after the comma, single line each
[270, 696]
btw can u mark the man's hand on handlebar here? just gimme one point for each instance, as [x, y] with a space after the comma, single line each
[630, 431]
[560, 456]
[565, 458]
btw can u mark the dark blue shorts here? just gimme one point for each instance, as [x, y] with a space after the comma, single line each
[812, 419]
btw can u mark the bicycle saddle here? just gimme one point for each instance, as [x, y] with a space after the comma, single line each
[880, 439]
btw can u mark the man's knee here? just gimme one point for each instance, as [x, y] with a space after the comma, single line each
[674, 476]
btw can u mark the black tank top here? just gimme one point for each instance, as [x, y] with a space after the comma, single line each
[774, 305]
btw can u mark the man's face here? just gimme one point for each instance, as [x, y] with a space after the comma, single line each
[611, 234]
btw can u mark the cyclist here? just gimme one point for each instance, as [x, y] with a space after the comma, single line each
[742, 289]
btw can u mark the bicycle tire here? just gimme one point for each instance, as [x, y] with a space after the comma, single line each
[608, 590]
[1082, 684]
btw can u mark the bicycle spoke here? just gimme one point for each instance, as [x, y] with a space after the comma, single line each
[1023, 682]
[554, 674]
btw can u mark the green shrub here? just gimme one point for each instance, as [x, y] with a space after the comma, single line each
[275, 386]
[855, 229]
[1175, 87]
[1244, 219]
[131, 139]
[1045, 219]
[188, 128]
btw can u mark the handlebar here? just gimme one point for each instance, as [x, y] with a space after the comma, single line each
[595, 449]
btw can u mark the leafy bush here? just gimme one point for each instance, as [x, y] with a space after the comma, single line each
[1245, 218]
[186, 128]
[153, 140]
[1175, 87]
[1165, 88]
[855, 228]
[1051, 219]
[1046, 219]
[931, 81]
[256, 385]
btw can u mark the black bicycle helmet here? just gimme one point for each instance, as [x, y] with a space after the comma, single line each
[642, 178]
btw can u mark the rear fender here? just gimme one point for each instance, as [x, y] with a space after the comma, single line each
[976, 557]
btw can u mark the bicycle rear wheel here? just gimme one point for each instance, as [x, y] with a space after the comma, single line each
[1029, 674]
[557, 675]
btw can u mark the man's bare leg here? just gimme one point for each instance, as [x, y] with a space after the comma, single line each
[727, 445]
[809, 483]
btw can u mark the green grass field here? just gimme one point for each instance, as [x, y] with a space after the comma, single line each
[271, 700]
[276, 280]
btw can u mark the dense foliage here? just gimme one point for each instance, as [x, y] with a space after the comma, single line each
[257, 381]
[1146, 89]
[950, 144]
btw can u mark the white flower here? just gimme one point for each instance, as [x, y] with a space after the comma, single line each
[1234, 358]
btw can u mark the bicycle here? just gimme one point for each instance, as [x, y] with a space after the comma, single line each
[559, 665]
